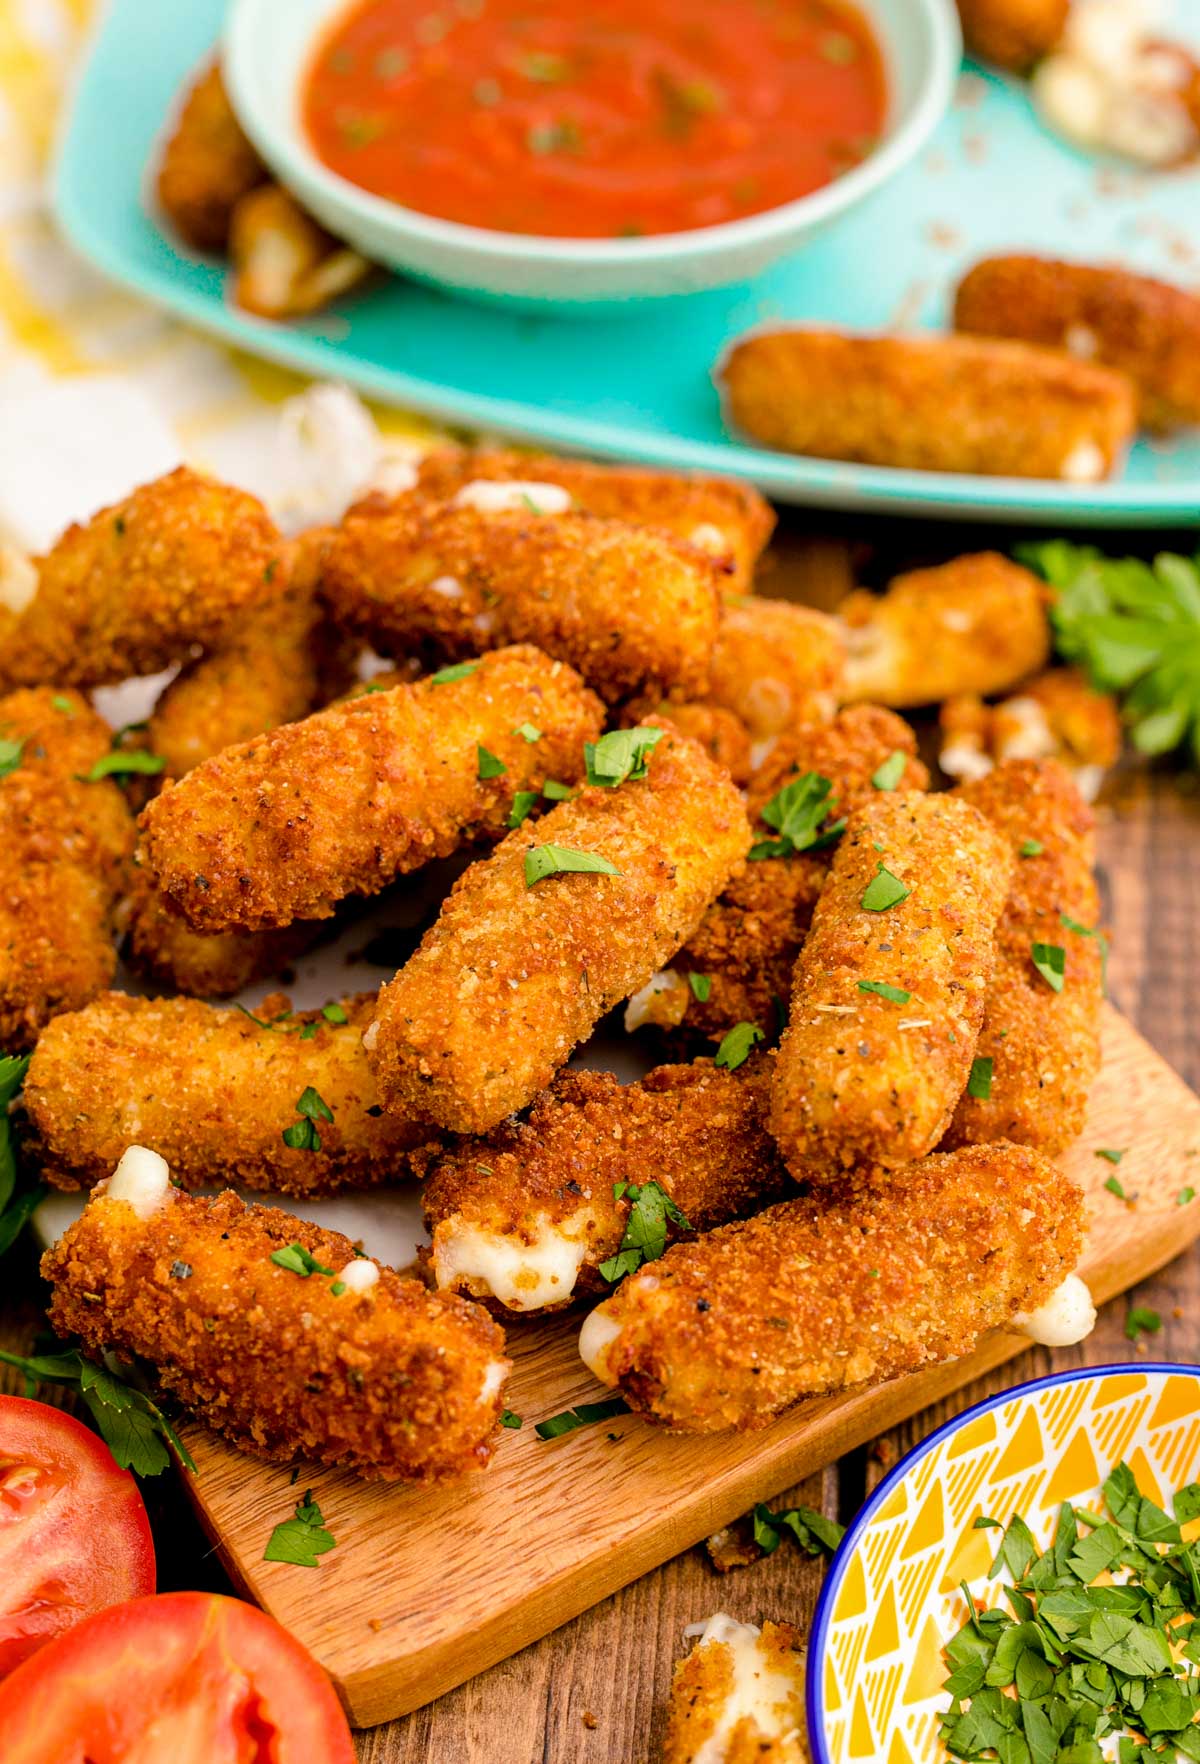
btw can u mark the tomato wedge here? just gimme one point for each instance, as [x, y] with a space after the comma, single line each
[183, 1678]
[74, 1536]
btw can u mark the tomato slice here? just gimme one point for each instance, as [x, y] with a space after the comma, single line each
[182, 1678]
[74, 1536]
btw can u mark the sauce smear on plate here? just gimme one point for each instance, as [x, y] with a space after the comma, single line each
[610, 118]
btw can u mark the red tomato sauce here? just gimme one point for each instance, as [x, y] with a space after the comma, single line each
[595, 118]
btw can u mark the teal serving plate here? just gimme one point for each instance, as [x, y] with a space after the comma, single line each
[637, 385]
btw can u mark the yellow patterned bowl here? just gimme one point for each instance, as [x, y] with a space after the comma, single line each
[891, 1599]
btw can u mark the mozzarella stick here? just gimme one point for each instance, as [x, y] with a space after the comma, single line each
[526, 957]
[526, 1216]
[975, 624]
[1013, 33]
[1041, 1046]
[737, 965]
[722, 516]
[271, 1331]
[738, 1697]
[213, 1091]
[161, 948]
[889, 990]
[65, 846]
[903, 1269]
[932, 403]
[1147, 329]
[286, 826]
[776, 665]
[134, 588]
[633, 609]
[207, 164]
[1057, 715]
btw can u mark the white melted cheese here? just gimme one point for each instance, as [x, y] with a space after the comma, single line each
[142, 1179]
[1024, 731]
[360, 1275]
[521, 1276]
[493, 1380]
[640, 1008]
[965, 758]
[707, 537]
[1110, 88]
[596, 1338]
[760, 1692]
[1084, 464]
[490, 497]
[1068, 1316]
[18, 579]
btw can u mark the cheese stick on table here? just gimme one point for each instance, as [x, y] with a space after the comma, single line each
[275, 1333]
[931, 403]
[286, 826]
[1041, 1044]
[530, 950]
[526, 1215]
[162, 948]
[738, 1697]
[889, 990]
[897, 1270]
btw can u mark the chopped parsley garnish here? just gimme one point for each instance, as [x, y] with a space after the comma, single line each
[979, 1084]
[311, 1107]
[487, 765]
[122, 764]
[333, 1013]
[529, 733]
[557, 860]
[585, 1415]
[132, 1426]
[701, 987]
[622, 756]
[889, 774]
[1050, 960]
[1185, 1197]
[811, 1530]
[1110, 1154]
[1031, 848]
[1115, 1186]
[798, 813]
[523, 801]
[64, 705]
[296, 1259]
[1142, 1321]
[508, 1419]
[883, 892]
[16, 1209]
[645, 1236]
[553, 791]
[735, 1046]
[10, 756]
[1069, 924]
[456, 671]
[893, 994]
[302, 1539]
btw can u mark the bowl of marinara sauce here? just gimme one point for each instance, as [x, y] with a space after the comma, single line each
[586, 151]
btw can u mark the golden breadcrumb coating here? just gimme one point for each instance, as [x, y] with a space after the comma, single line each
[1013, 33]
[861, 1075]
[279, 663]
[511, 977]
[747, 942]
[284, 263]
[129, 592]
[723, 516]
[207, 165]
[1044, 1046]
[65, 847]
[285, 826]
[767, 1669]
[161, 948]
[898, 1270]
[1058, 715]
[975, 624]
[211, 1090]
[931, 403]
[634, 609]
[1147, 329]
[776, 665]
[397, 1383]
[722, 735]
[697, 1131]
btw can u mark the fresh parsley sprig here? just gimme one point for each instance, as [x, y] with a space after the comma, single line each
[798, 812]
[17, 1205]
[583, 1415]
[620, 757]
[645, 1236]
[808, 1528]
[311, 1107]
[132, 1426]
[301, 1539]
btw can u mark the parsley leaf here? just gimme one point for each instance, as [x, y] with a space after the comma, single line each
[1115, 1186]
[302, 1539]
[1110, 1154]
[621, 756]
[334, 1013]
[10, 756]
[645, 1236]
[522, 802]
[121, 764]
[508, 1419]
[798, 813]
[302, 1135]
[297, 1260]
[527, 732]
[553, 791]
[555, 860]
[883, 892]
[979, 1084]
[486, 764]
[457, 671]
[16, 1208]
[584, 1415]
[701, 987]
[1030, 848]
[133, 1427]
[735, 1046]
[894, 994]
[808, 1528]
[1050, 960]
[1142, 1320]
[889, 774]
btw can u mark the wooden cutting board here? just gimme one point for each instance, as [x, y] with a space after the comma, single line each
[428, 1587]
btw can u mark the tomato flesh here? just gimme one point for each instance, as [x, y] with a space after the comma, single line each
[182, 1678]
[74, 1536]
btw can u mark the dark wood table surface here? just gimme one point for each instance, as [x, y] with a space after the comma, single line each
[594, 1692]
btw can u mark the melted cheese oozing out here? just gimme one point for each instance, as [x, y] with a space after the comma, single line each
[1023, 730]
[965, 758]
[360, 1275]
[18, 579]
[760, 1692]
[1068, 1316]
[1084, 464]
[595, 1340]
[371, 1035]
[640, 1008]
[493, 1380]
[496, 498]
[709, 538]
[522, 1276]
[142, 1179]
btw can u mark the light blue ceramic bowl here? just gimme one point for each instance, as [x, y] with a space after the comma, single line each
[266, 49]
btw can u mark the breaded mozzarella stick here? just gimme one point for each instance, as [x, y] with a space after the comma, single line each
[632, 608]
[213, 1092]
[286, 826]
[65, 846]
[738, 1697]
[1013, 33]
[290, 1353]
[722, 516]
[1042, 1046]
[527, 1215]
[207, 164]
[130, 591]
[975, 624]
[517, 969]
[889, 990]
[776, 665]
[902, 1269]
[160, 947]
[931, 403]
